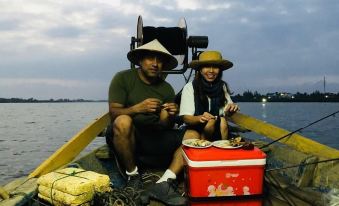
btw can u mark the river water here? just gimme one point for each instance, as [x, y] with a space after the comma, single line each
[31, 132]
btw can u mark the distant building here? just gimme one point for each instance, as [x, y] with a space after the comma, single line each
[272, 95]
[285, 95]
[280, 95]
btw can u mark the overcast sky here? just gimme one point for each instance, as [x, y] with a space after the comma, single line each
[71, 49]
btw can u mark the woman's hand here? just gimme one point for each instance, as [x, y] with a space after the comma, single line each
[230, 108]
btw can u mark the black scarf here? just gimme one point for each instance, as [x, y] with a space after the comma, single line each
[214, 90]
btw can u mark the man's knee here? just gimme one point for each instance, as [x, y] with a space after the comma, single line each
[123, 124]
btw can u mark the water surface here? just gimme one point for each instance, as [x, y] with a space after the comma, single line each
[31, 132]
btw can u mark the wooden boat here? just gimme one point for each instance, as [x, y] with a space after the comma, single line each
[313, 184]
[301, 181]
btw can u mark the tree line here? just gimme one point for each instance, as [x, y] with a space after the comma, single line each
[247, 96]
[316, 96]
[33, 100]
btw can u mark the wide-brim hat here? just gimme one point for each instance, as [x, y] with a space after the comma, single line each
[137, 54]
[213, 58]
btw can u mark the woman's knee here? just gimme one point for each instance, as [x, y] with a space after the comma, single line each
[223, 123]
[223, 120]
[191, 134]
[223, 128]
[210, 125]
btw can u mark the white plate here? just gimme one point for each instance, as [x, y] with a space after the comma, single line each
[224, 144]
[194, 143]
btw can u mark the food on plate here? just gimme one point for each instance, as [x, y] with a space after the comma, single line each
[236, 141]
[197, 143]
[230, 143]
[222, 143]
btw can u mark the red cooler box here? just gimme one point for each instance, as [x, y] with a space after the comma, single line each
[215, 176]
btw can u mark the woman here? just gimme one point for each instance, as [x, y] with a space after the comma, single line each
[206, 100]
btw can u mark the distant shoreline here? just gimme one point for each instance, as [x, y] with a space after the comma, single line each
[247, 96]
[32, 100]
[316, 96]
[95, 101]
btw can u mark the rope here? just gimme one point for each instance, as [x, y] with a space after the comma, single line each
[150, 177]
[26, 180]
[117, 197]
[12, 194]
[295, 131]
[302, 164]
[73, 174]
[127, 196]
[275, 184]
[38, 202]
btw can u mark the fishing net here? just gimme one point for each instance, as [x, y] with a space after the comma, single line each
[125, 196]
[117, 197]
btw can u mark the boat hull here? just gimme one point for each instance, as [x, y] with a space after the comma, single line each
[313, 184]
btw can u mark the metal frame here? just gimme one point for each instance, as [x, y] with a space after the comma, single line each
[193, 42]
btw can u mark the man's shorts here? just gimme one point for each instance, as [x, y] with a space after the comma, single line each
[162, 142]
[153, 145]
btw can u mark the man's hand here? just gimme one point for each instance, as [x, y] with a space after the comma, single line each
[205, 117]
[230, 108]
[150, 105]
[171, 108]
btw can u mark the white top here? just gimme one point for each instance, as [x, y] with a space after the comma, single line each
[187, 101]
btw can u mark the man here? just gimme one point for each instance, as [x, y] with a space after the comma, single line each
[142, 112]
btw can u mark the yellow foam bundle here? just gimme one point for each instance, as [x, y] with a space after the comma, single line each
[71, 186]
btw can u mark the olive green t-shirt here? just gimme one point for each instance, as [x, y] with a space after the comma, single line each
[128, 89]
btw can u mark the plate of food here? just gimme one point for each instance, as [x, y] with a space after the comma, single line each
[228, 144]
[197, 143]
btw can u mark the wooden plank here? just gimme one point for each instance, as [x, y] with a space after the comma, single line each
[73, 147]
[21, 190]
[296, 141]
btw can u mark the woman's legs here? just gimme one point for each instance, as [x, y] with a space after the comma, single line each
[208, 130]
[191, 134]
[223, 128]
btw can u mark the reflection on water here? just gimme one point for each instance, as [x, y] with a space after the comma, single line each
[263, 114]
[292, 116]
[30, 133]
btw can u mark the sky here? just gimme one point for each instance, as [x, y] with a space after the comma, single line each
[72, 49]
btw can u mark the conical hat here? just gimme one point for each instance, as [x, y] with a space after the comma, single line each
[135, 55]
[211, 58]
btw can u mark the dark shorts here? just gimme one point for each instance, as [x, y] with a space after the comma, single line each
[200, 128]
[161, 142]
[153, 146]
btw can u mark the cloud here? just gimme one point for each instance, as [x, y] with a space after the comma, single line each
[205, 5]
[63, 27]
[87, 40]
[8, 24]
[65, 32]
[42, 82]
